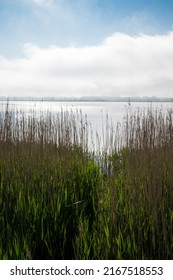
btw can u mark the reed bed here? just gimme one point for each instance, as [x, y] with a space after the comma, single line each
[61, 198]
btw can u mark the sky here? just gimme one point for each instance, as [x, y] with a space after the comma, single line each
[76, 48]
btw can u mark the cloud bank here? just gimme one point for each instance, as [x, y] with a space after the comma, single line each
[122, 65]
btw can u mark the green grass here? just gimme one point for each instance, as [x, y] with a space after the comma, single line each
[58, 202]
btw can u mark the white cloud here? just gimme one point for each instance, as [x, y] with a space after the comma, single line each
[121, 66]
[42, 2]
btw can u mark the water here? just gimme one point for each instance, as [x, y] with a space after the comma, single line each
[99, 114]
[95, 111]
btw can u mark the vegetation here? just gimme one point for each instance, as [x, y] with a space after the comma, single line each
[59, 199]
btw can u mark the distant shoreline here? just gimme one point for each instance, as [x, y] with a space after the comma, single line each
[86, 99]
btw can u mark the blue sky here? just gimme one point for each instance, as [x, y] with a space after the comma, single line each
[78, 22]
[36, 33]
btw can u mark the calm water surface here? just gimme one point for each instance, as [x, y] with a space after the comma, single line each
[95, 111]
